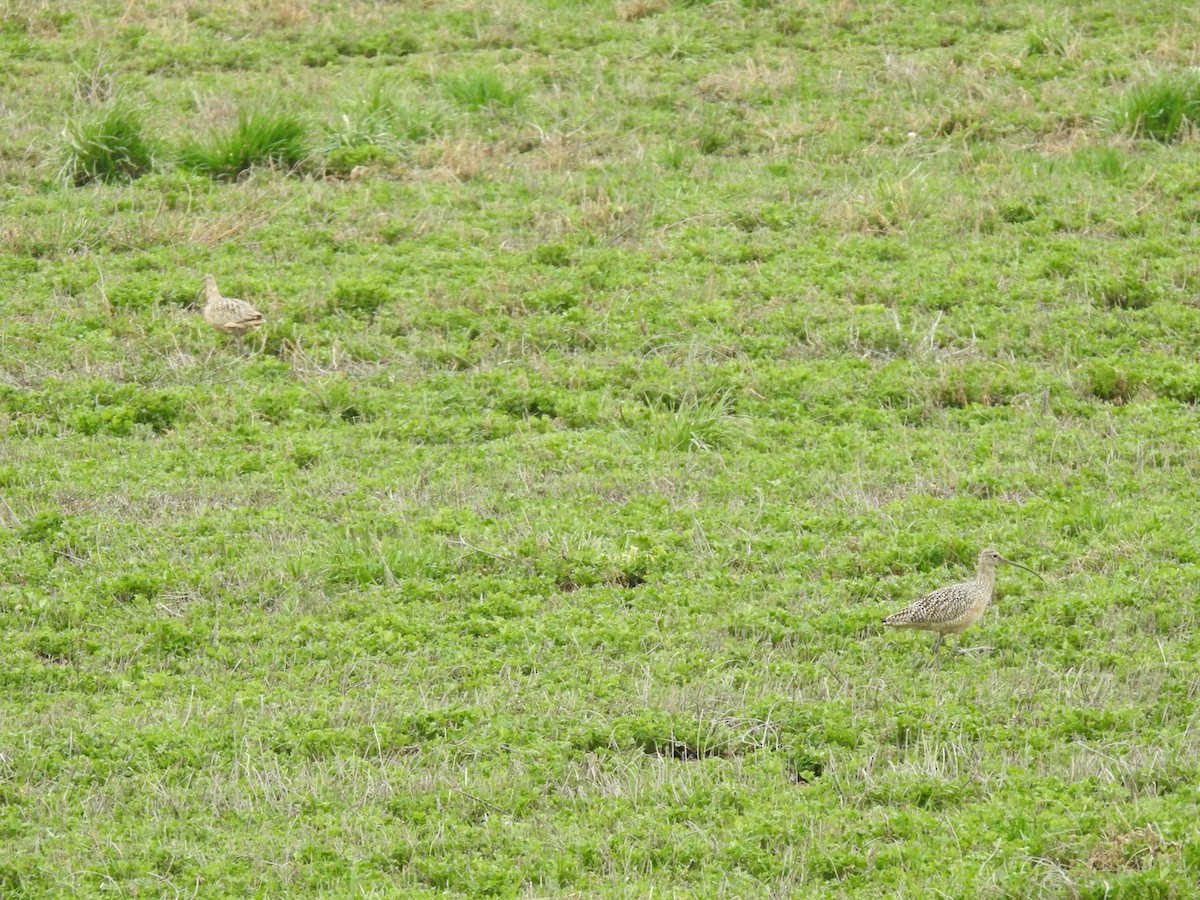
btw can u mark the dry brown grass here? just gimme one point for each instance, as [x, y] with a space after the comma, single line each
[889, 205]
[262, 203]
[458, 159]
[1178, 44]
[157, 224]
[280, 13]
[500, 35]
[1065, 140]
[841, 12]
[753, 76]
[633, 10]
[1134, 849]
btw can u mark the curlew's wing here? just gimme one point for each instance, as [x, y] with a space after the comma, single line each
[250, 322]
[238, 314]
[942, 605]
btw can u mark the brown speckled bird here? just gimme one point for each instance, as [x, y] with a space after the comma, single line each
[954, 609]
[227, 314]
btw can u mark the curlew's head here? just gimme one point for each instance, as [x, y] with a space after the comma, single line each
[989, 559]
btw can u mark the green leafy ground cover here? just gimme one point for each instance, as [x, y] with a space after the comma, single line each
[625, 365]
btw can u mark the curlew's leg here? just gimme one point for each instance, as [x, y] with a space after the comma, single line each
[937, 644]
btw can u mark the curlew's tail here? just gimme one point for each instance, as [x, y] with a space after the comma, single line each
[902, 619]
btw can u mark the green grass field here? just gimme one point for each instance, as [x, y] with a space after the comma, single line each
[625, 364]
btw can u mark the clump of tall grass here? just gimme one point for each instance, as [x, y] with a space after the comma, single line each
[106, 145]
[268, 136]
[694, 424]
[377, 129]
[1053, 37]
[1163, 109]
[480, 90]
[382, 118]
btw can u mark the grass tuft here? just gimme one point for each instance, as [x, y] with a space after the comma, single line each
[481, 89]
[673, 156]
[1106, 382]
[377, 131]
[694, 425]
[383, 118]
[108, 146]
[1107, 162]
[890, 205]
[268, 136]
[1052, 38]
[1129, 291]
[1163, 110]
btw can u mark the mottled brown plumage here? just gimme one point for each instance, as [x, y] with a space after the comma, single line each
[953, 609]
[228, 314]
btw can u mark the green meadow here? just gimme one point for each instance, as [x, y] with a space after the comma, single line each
[625, 364]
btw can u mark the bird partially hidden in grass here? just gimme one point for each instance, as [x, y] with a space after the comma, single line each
[954, 609]
[227, 314]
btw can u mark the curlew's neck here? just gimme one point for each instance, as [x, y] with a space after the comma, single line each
[985, 576]
[211, 294]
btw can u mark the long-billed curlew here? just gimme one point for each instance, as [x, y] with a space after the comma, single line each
[227, 314]
[954, 609]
